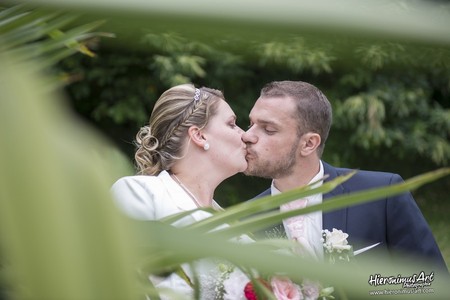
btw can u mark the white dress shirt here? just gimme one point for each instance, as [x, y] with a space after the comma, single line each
[312, 221]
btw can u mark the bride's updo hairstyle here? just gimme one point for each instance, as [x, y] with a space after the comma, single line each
[160, 143]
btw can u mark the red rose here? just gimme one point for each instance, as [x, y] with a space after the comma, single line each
[249, 290]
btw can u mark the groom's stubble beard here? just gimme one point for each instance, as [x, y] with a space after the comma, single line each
[273, 167]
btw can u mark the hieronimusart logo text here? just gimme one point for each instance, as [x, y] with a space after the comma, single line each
[413, 281]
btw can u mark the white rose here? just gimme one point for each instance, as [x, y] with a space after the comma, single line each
[337, 239]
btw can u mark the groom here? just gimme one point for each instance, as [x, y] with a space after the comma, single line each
[289, 126]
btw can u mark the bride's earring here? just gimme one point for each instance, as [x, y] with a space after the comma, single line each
[206, 146]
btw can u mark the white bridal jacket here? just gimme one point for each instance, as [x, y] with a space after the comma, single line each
[155, 197]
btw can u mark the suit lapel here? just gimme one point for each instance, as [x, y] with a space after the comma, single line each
[336, 218]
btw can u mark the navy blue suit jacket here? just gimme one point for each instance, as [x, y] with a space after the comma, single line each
[396, 221]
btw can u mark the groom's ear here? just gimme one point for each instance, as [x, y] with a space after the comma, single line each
[309, 142]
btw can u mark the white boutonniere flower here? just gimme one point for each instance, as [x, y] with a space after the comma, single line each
[335, 245]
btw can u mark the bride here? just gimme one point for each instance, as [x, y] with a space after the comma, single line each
[192, 144]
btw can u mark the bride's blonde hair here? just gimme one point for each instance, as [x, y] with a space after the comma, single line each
[160, 143]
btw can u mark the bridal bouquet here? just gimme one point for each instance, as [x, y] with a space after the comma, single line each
[284, 288]
[220, 280]
[336, 249]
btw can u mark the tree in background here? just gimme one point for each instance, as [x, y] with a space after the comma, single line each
[390, 99]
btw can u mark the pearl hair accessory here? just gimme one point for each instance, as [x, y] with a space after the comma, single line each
[206, 147]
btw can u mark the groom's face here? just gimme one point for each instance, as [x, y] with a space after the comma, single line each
[272, 138]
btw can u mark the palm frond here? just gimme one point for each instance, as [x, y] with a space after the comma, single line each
[38, 34]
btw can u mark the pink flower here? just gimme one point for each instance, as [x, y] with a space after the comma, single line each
[310, 289]
[284, 289]
[249, 290]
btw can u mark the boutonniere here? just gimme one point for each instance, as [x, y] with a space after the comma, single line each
[335, 246]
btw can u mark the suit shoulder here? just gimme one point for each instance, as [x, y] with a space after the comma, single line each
[372, 178]
[342, 171]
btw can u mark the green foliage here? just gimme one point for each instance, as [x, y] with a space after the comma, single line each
[31, 33]
[298, 55]
[121, 87]
[119, 90]
[176, 64]
[402, 112]
[384, 94]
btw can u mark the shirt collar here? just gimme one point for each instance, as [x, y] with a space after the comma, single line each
[316, 178]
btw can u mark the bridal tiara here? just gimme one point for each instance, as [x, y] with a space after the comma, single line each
[197, 95]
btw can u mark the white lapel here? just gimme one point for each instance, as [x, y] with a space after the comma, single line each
[180, 200]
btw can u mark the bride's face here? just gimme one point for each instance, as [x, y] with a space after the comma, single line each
[225, 139]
